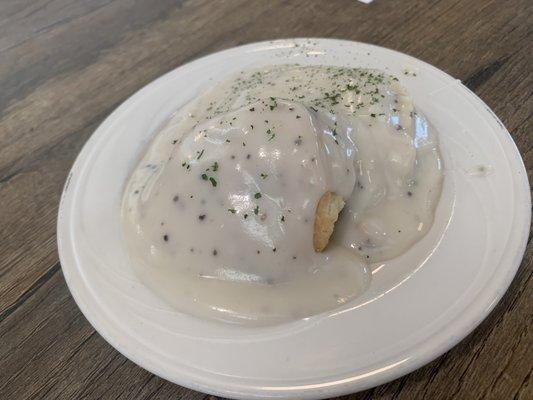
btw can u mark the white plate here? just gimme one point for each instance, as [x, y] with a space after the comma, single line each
[418, 306]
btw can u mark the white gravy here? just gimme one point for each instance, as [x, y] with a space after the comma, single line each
[219, 212]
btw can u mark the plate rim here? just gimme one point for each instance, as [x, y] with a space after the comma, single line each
[338, 388]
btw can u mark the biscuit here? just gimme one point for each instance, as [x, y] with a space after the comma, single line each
[327, 212]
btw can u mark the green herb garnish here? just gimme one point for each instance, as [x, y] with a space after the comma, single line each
[271, 134]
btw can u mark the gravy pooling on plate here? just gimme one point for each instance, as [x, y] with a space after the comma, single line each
[219, 212]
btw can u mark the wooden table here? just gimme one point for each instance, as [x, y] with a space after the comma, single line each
[66, 64]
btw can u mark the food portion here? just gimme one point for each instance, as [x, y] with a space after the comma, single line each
[236, 212]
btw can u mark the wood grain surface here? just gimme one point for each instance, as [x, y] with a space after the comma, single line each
[66, 64]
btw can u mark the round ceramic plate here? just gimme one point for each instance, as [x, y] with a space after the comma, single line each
[418, 305]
